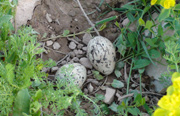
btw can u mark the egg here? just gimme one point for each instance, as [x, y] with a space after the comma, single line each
[101, 54]
[74, 71]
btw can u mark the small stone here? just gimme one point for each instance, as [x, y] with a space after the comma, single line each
[54, 69]
[56, 45]
[90, 88]
[72, 54]
[86, 38]
[85, 61]
[89, 72]
[144, 114]
[72, 45]
[125, 22]
[75, 52]
[136, 76]
[133, 85]
[49, 43]
[146, 98]
[109, 96]
[63, 62]
[80, 46]
[80, 52]
[75, 59]
[85, 90]
[48, 17]
[84, 48]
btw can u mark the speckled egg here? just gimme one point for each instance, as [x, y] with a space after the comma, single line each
[74, 71]
[101, 54]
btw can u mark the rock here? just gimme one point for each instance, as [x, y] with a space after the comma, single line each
[72, 54]
[75, 59]
[85, 61]
[125, 22]
[84, 48]
[80, 46]
[109, 96]
[63, 62]
[54, 69]
[133, 85]
[76, 52]
[72, 45]
[86, 38]
[24, 11]
[136, 76]
[144, 114]
[48, 17]
[80, 52]
[85, 90]
[89, 72]
[56, 45]
[90, 88]
[49, 43]
[156, 71]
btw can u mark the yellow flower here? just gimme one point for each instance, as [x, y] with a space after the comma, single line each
[168, 3]
[153, 2]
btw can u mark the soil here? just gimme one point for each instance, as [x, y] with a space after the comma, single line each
[66, 15]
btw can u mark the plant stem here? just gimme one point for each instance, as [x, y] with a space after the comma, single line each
[87, 18]
[127, 91]
[140, 84]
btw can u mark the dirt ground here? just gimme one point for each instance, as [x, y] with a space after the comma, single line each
[52, 17]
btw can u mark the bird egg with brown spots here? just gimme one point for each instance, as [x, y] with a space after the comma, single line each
[101, 54]
[74, 72]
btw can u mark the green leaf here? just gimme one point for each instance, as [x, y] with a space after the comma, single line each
[117, 84]
[177, 7]
[132, 39]
[119, 65]
[38, 95]
[113, 107]
[141, 22]
[117, 73]
[134, 111]
[149, 24]
[66, 32]
[160, 30]
[146, 51]
[130, 17]
[141, 63]
[97, 75]
[153, 54]
[5, 18]
[164, 14]
[150, 42]
[22, 103]
[99, 97]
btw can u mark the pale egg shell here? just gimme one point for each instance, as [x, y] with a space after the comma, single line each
[101, 54]
[75, 71]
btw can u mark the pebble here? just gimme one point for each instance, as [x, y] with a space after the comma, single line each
[84, 48]
[72, 54]
[80, 46]
[49, 43]
[109, 96]
[136, 76]
[56, 45]
[125, 22]
[89, 72]
[85, 90]
[63, 62]
[90, 88]
[48, 17]
[133, 85]
[54, 69]
[75, 52]
[80, 52]
[85, 61]
[72, 45]
[86, 38]
[75, 59]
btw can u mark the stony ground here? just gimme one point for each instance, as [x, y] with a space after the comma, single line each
[51, 17]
